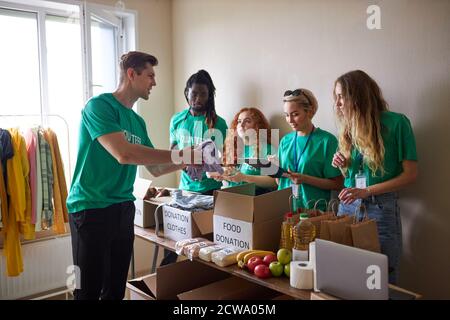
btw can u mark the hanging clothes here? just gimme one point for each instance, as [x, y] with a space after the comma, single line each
[6, 152]
[39, 198]
[6, 149]
[31, 141]
[47, 181]
[33, 190]
[3, 200]
[26, 227]
[17, 169]
[60, 213]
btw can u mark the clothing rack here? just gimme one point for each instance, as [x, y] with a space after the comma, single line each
[42, 118]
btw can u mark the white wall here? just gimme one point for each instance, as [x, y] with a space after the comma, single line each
[154, 24]
[256, 49]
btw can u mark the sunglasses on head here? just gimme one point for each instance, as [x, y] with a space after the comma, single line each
[297, 93]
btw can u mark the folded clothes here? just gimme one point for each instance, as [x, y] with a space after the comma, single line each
[211, 161]
[194, 202]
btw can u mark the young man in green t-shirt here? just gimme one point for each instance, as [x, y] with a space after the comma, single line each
[113, 140]
[191, 127]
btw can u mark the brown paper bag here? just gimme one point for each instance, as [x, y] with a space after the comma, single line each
[337, 229]
[325, 227]
[321, 216]
[364, 234]
[324, 231]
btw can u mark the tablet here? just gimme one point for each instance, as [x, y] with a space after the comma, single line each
[255, 162]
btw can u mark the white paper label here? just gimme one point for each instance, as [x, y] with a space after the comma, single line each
[295, 189]
[360, 181]
[138, 216]
[233, 233]
[177, 223]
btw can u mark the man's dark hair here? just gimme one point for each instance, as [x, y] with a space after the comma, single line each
[203, 77]
[136, 60]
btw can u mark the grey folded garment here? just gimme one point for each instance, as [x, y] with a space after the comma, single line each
[211, 161]
[195, 202]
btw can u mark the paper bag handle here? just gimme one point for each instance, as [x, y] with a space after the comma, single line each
[357, 214]
[157, 219]
[318, 201]
[332, 206]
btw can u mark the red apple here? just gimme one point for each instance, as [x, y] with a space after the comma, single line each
[262, 271]
[253, 262]
[268, 259]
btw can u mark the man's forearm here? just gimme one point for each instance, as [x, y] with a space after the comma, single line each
[159, 170]
[143, 155]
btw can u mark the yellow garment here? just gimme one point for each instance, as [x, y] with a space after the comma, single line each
[25, 226]
[4, 199]
[19, 203]
[59, 184]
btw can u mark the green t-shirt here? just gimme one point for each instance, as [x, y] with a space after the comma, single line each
[244, 168]
[99, 180]
[399, 144]
[188, 130]
[316, 161]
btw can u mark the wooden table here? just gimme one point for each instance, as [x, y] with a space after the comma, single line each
[278, 284]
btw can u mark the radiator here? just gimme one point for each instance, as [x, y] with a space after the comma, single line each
[45, 264]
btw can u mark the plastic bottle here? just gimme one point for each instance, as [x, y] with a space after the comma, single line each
[286, 240]
[304, 233]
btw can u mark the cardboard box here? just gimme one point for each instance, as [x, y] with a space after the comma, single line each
[284, 297]
[173, 279]
[143, 288]
[145, 209]
[233, 288]
[246, 221]
[183, 224]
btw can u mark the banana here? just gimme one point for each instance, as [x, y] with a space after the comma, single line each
[256, 253]
[241, 255]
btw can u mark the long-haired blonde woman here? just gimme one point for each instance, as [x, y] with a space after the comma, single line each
[377, 155]
[248, 137]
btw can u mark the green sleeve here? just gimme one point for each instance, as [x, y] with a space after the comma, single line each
[221, 125]
[172, 135]
[330, 148]
[406, 141]
[100, 118]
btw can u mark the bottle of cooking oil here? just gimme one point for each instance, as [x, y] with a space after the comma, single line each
[304, 233]
[286, 240]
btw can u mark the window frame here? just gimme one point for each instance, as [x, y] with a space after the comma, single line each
[125, 20]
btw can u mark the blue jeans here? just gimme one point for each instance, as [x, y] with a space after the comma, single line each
[385, 210]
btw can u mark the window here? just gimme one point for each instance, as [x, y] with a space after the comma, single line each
[19, 79]
[55, 56]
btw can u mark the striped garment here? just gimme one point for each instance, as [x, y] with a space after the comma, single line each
[47, 181]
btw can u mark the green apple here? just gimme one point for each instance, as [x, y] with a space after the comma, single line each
[287, 270]
[284, 256]
[276, 268]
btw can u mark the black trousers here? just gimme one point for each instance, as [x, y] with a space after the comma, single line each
[102, 243]
[170, 256]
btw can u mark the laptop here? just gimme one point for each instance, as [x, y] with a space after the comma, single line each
[351, 273]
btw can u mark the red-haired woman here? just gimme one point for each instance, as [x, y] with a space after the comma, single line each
[248, 138]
